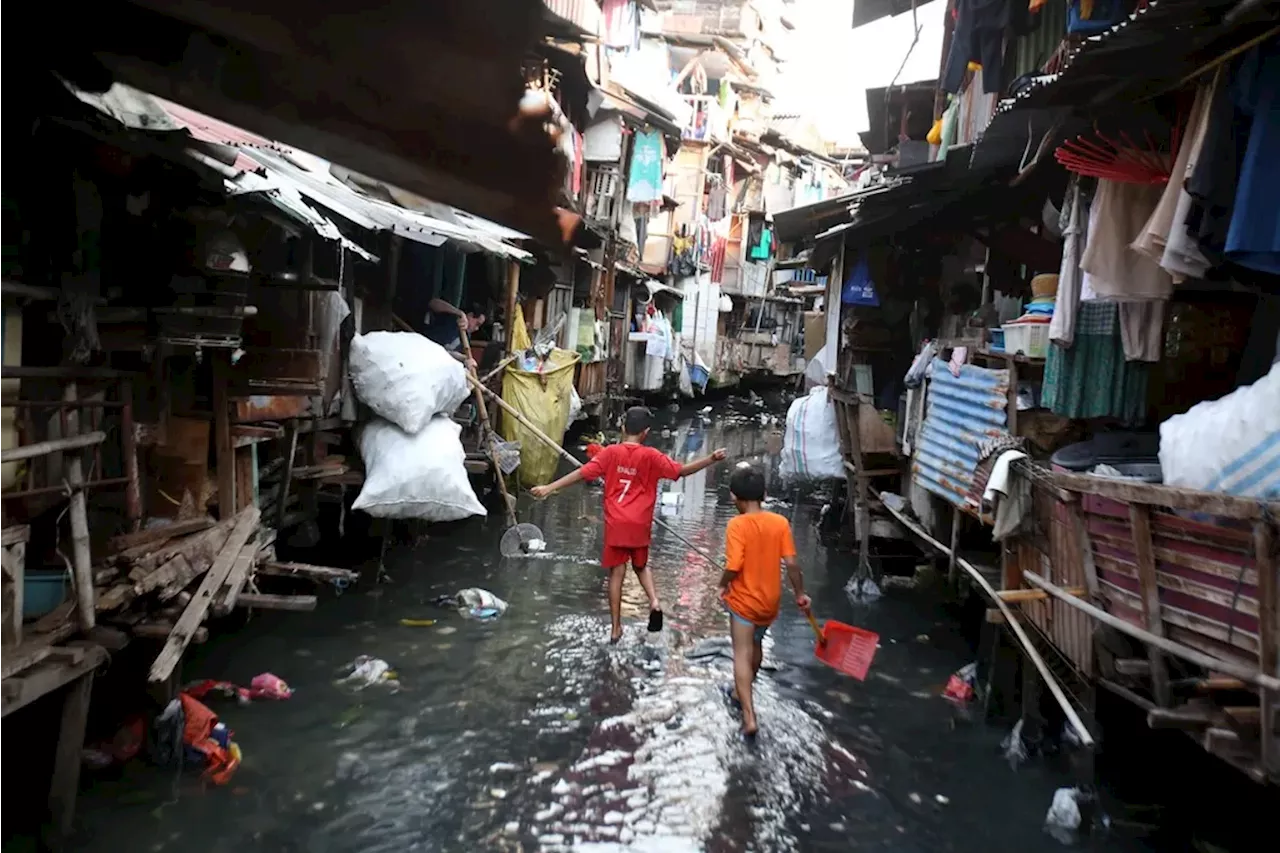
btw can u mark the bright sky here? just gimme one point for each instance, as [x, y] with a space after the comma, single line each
[832, 65]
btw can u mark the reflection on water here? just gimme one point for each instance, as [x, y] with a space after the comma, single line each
[530, 732]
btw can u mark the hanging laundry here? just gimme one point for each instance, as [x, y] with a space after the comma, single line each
[1062, 328]
[979, 37]
[858, 288]
[645, 177]
[1166, 229]
[1253, 239]
[1120, 211]
[716, 202]
[1212, 184]
[1091, 378]
[761, 250]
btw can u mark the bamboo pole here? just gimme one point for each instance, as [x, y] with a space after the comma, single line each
[81, 558]
[1028, 648]
[546, 439]
[1190, 655]
[54, 445]
[487, 436]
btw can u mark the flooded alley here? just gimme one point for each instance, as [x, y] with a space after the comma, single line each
[530, 732]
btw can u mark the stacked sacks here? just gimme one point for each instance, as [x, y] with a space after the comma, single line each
[413, 456]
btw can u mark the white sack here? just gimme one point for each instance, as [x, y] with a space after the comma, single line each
[811, 442]
[416, 476]
[815, 372]
[575, 405]
[406, 378]
[1229, 445]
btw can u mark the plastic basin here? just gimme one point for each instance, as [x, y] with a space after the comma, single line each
[42, 591]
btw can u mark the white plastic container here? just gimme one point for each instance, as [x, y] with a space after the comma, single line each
[1029, 339]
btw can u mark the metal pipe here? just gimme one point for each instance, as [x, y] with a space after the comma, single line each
[55, 445]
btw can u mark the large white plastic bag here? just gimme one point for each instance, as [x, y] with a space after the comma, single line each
[811, 442]
[416, 476]
[406, 378]
[1228, 445]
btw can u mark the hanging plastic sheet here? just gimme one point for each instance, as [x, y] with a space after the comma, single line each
[859, 289]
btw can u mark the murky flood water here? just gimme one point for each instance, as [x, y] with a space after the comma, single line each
[529, 732]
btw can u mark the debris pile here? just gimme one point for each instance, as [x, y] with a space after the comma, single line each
[163, 583]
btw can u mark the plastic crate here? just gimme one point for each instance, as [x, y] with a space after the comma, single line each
[1029, 339]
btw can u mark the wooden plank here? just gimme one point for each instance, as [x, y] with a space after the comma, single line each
[114, 598]
[236, 579]
[15, 534]
[201, 547]
[160, 630]
[55, 445]
[157, 536]
[1128, 491]
[1268, 637]
[46, 677]
[223, 443]
[1012, 595]
[1140, 521]
[1080, 531]
[1135, 667]
[277, 602]
[319, 574]
[167, 660]
[277, 364]
[173, 575]
[23, 657]
[66, 763]
[1192, 717]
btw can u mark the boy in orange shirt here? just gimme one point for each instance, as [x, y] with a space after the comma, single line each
[757, 544]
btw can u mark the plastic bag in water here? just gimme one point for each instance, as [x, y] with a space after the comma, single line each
[1063, 819]
[1015, 749]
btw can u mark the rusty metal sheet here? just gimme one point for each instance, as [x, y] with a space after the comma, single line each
[269, 408]
[962, 412]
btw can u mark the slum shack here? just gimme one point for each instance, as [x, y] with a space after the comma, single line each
[1068, 317]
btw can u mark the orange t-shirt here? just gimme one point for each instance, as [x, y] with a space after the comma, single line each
[755, 546]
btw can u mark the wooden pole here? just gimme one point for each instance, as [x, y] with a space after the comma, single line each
[546, 439]
[223, 442]
[513, 287]
[66, 763]
[1236, 670]
[291, 450]
[1028, 648]
[1268, 636]
[81, 558]
[487, 435]
[1144, 554]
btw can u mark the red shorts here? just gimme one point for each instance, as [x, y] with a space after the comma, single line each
[615, 556]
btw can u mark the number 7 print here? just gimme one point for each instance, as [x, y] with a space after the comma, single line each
[626, 487]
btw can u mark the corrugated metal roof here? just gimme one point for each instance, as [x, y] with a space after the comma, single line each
[963, 411]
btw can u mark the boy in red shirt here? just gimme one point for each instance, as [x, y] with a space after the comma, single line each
[758, 544]
[631, 472]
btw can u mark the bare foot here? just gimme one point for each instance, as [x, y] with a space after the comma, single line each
[614, 638]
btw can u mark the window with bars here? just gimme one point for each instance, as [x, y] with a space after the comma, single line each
[602, 185]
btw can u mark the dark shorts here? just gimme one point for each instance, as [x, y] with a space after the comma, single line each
[614, 556]
[760, 630]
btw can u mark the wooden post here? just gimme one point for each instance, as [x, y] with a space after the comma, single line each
[291, 450]
[1268, 637]
[129, 447]
[1011, 413]
[223, 442]
[13, 557]
[486, 430]
[66, 763]
[1080, 530]
[1140, 520]
[81, 558]
[862, 512]
[513, 288]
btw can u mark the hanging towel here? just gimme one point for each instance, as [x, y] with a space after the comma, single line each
[1167, 227]
[1062, 328]
[1253, 239]
[1142, 330]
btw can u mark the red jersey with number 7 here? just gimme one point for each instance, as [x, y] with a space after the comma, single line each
[631, 473]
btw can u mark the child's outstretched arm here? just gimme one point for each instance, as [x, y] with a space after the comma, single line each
[569, 479]
[705, 462]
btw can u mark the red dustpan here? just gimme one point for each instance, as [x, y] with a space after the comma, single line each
[844, 647]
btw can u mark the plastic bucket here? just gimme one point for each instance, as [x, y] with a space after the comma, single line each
[42, 591]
